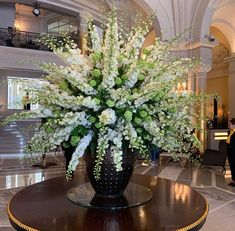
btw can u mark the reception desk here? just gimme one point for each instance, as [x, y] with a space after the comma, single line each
[214, 136]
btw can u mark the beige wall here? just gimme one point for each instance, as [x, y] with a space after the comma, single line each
[218, 86]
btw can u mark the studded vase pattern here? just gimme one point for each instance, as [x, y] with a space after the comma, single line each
[111, 182]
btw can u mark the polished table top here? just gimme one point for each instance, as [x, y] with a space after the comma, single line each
[44, 206]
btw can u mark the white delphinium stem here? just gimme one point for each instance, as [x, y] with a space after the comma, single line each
[94, 36]
[104, 137]
[132, 136]
[116, 150]
[54, 95]
[135, 43]
[39, 142]
[74, 58]
[132, 74]
[77, 78]
[102, 145]
[79, 152]
[110, 52]
[74, 117]
[44, 141]
[41, 112]
[149, 90]
[120, 96]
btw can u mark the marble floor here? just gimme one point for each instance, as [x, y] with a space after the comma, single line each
[16, 172]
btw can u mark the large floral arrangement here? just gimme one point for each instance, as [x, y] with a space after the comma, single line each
[113, 93]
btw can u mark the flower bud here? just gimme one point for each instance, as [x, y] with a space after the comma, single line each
[128, 115]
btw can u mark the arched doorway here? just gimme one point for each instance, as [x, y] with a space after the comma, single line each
[219, 20]
[217, 79]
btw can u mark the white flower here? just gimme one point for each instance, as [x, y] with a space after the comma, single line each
[108, 116]
[47, 112]
[110, 52]
[132, 77]
[79, 151]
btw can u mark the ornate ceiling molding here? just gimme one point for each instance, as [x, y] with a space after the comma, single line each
[230, 58]
[203, 68]
[219, 53]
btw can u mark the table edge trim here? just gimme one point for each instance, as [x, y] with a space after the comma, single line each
[198, 222]
[17, 222]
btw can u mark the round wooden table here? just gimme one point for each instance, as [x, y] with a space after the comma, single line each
[44, 206]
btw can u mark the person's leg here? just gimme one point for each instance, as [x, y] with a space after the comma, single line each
[232, 166]
[231, 161]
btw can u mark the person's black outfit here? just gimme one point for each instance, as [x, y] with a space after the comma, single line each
[231, 158]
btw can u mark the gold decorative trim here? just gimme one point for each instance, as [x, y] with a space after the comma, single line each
[17, 222]
[198, 222]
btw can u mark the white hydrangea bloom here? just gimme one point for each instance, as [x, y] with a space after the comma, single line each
[47, 112]
[108, 116]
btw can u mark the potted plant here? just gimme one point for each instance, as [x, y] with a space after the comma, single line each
[112, 102]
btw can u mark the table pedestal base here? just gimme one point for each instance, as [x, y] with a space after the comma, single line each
[134, 195]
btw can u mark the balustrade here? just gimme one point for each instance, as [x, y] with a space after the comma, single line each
[29, 40]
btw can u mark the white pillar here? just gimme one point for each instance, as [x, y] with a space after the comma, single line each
[83, 15]
[191, 82]
[201, 82]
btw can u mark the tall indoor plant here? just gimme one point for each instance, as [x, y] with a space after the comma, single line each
[115, 98]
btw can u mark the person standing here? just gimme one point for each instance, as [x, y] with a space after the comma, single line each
[26, 103]
[231, 150]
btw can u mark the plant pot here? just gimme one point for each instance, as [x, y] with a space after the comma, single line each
[68, 152]
[111, 183]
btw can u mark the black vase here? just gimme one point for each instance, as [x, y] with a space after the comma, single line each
[111, 182]
[68, 152]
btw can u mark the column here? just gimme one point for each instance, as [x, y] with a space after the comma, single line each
[82, 28]
[191, 81]
[201, 81]
[231, 85]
